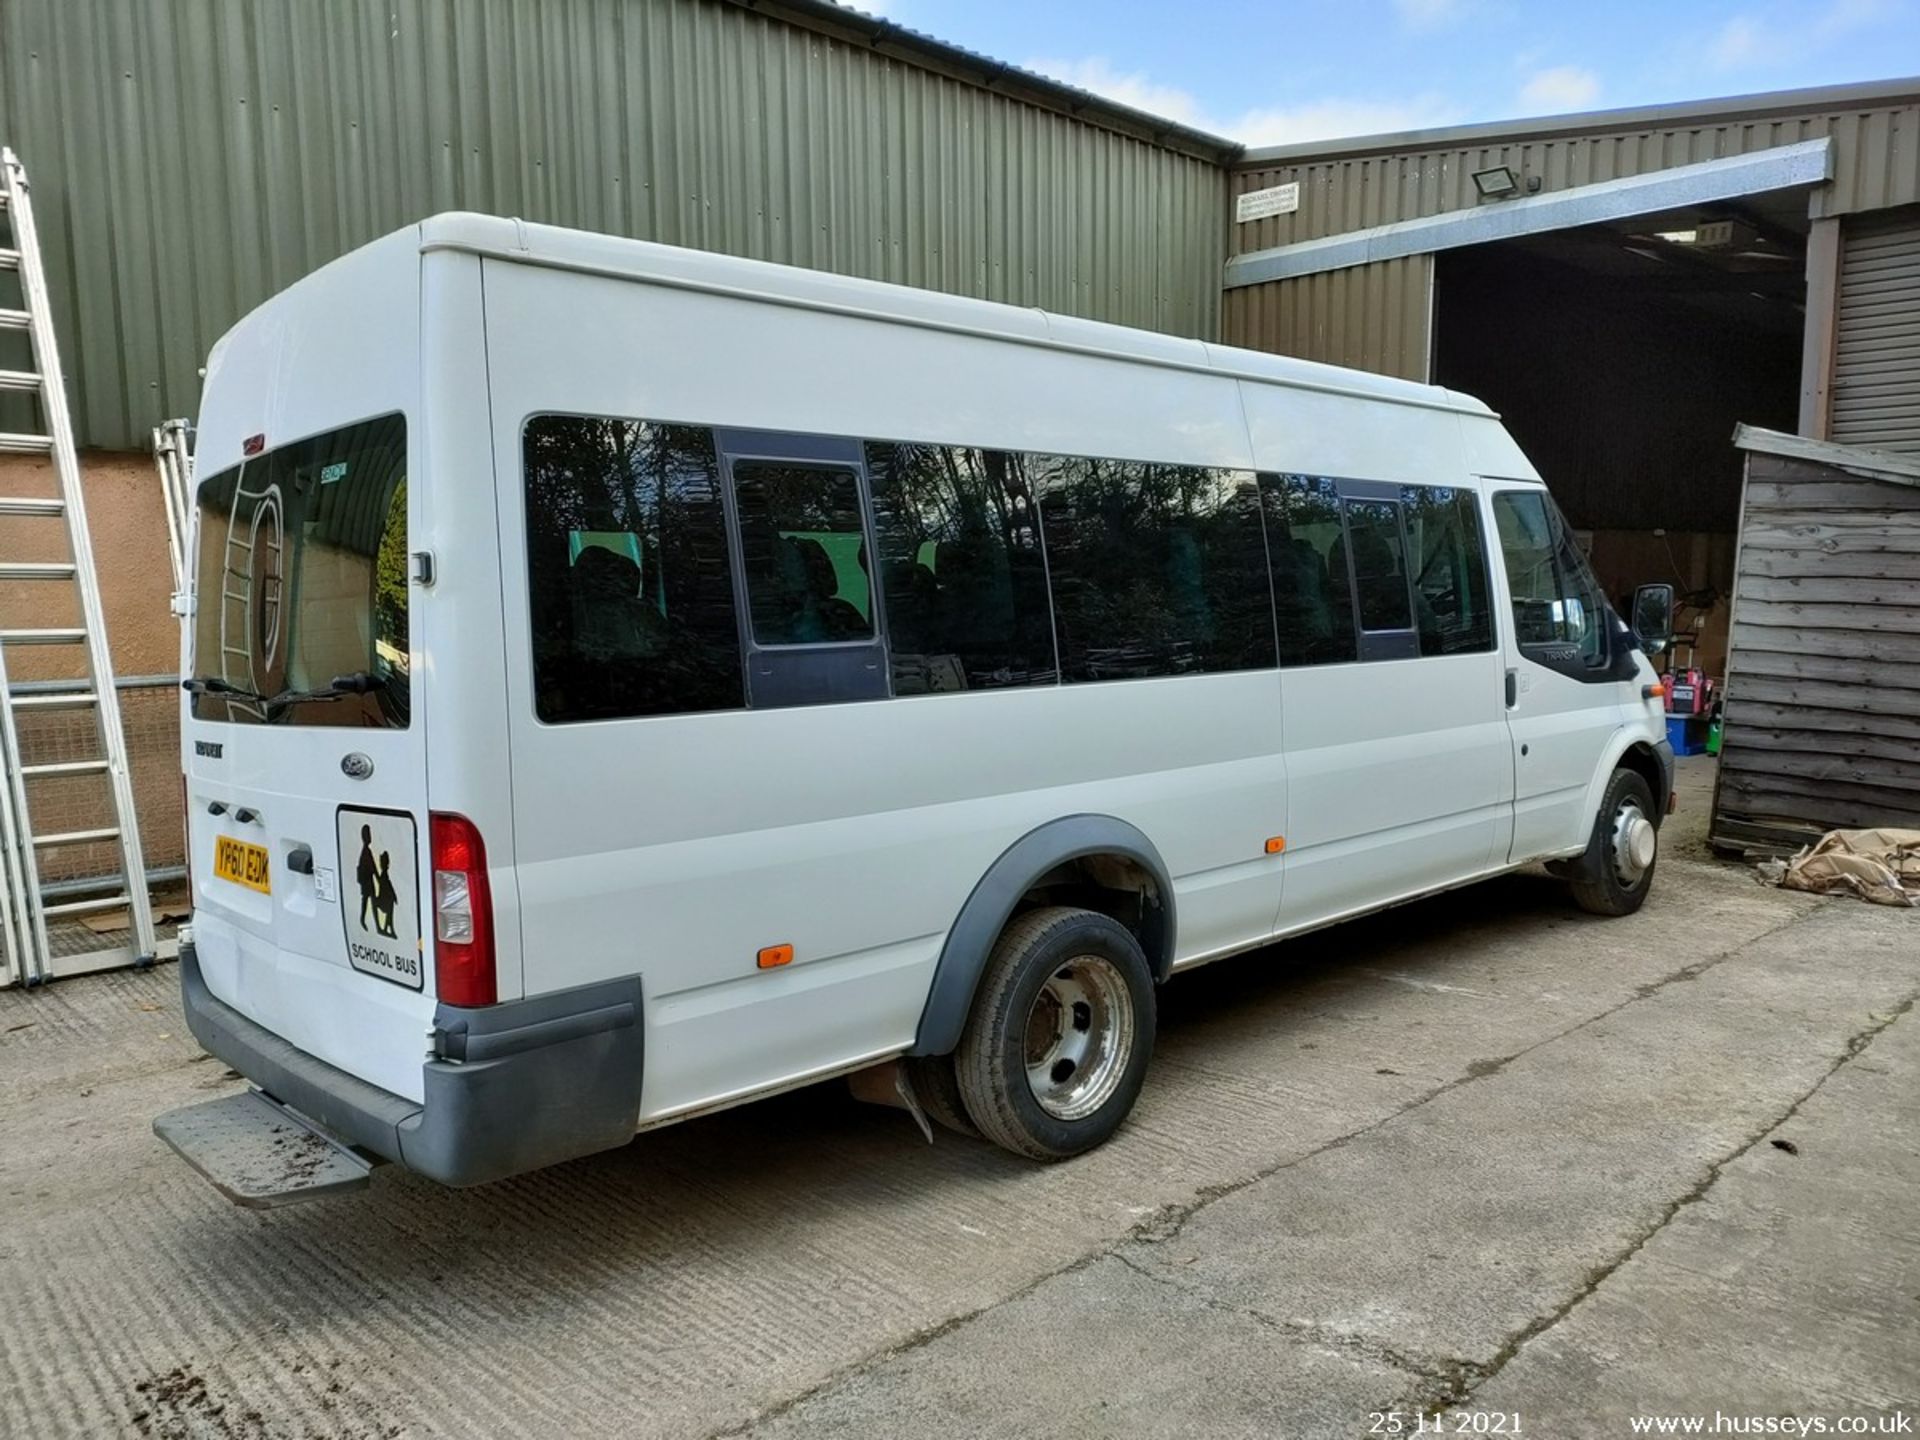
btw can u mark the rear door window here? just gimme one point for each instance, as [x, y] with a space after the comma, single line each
[301, 581]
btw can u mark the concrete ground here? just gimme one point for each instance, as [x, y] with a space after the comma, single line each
[1484, 1154]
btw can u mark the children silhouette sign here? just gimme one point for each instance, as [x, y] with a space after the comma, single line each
[366, 872]
[382, 916]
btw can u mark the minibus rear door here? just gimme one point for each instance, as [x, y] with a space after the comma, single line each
[305, 759]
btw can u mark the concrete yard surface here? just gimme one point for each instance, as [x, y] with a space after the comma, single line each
[1483, 1153]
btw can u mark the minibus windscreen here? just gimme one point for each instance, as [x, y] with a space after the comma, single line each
[300, 583]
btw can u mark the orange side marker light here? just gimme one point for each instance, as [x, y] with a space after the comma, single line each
[1275, 844]
[775, 955]
[1654, 691]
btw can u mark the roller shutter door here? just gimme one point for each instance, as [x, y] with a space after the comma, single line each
[1876, 371]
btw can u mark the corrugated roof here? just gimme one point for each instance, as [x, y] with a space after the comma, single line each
[1870, 93]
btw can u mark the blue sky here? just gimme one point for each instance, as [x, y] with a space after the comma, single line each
[1288, 70]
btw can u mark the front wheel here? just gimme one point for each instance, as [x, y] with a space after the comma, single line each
[1062, 1027]
[1616, 873]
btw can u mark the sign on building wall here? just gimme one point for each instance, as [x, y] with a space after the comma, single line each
[1274, 200]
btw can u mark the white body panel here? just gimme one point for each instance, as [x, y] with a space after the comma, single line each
[675, 847]
[345, 344]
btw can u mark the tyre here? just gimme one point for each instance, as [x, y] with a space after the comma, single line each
[937, 1089]
[1062, 1028]
[1616, 873]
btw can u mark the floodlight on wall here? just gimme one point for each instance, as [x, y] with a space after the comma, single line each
[1496, 183]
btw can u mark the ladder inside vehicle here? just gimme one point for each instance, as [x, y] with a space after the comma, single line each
[42, 768]
[254, 535]
[173, 460]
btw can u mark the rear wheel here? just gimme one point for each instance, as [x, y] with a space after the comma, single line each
[937, 1089]
[1616, 873]
[1056, 1049]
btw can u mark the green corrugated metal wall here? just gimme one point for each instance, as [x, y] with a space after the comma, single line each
[190, 157]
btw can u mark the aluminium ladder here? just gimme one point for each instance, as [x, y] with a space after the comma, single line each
[29, 958]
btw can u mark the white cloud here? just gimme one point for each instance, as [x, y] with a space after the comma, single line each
[1337, 118]
[1328, 118]
[1562, 87]
[1096, 73]
[1742, 41]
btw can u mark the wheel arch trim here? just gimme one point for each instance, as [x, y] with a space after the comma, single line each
[963, 955]
[1625, 740]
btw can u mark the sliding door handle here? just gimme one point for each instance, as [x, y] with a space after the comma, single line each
[1513, 688]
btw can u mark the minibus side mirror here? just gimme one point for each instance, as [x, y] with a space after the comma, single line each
[1653, 617]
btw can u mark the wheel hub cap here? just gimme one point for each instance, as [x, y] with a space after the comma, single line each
[1635, 843]
[1079, 1037]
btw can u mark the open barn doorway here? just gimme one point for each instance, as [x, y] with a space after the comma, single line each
[1621, 357]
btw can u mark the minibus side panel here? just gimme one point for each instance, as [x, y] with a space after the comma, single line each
[678, 846]
[1399, 772]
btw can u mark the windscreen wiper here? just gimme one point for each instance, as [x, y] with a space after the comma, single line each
[214, 685]
[360, 682]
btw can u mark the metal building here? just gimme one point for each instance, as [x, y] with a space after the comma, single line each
[1624, 287]
[190, 159]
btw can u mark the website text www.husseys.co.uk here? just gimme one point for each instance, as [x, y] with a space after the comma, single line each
[1898, 1422]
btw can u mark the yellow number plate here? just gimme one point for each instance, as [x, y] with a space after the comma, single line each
[241, 863]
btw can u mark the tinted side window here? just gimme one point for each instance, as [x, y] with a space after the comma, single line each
[1156, 569]
[1377, 552]
[631, 593]
[961, 569]
[1449, 570]
[1556, 599]
[804, 551]
[1304, 533]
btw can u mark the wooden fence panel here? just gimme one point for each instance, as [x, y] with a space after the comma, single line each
[1822, 718]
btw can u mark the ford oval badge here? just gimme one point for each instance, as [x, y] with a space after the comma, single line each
[356, 766]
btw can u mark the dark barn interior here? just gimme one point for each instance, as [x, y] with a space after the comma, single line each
[1621, 358]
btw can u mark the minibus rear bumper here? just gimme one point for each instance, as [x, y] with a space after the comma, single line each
[509, 1087]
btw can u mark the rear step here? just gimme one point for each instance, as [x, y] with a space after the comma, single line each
[260, 1154]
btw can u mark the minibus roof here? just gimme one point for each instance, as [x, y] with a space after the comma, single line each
[522, 242]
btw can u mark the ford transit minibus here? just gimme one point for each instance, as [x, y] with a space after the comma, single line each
[623, 681]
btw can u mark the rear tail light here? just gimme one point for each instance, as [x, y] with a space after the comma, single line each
[463, 967]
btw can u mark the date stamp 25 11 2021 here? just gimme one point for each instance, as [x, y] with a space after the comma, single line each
[1446, 1422]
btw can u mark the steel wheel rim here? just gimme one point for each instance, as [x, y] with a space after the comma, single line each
[1632, 843]
[1079, 1037]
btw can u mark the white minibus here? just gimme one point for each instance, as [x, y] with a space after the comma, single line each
[623, 681]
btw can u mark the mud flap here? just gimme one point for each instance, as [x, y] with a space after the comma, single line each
[260, 1154]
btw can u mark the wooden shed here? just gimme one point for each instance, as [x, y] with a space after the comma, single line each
[1822, 715]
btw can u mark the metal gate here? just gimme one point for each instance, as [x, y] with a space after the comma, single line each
[1876, 363]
